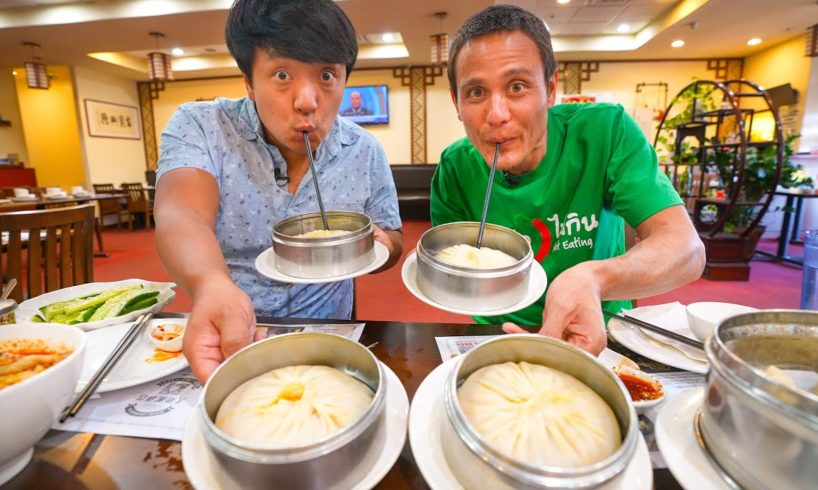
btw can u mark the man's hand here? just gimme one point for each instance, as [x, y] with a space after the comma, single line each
[572, 311]
[222, 322]
[381, 236]
[393, 241]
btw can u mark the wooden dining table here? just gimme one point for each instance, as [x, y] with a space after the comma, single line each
[69, 460]
[42, 203]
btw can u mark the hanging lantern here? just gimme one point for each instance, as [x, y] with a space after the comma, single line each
[812, 41]
[440, 48]
[159, 67]
[440, 43]
[37, 75]
[36, 70]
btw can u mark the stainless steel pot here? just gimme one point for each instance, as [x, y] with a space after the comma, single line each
[467, 288]
[762, 433]
[321, 258]
[336, 462]
[477, 465]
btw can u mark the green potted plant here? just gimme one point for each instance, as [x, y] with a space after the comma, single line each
[760, 164]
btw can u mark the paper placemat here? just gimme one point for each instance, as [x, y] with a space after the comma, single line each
[160, 409]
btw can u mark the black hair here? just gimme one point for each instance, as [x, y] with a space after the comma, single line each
[310, 31]
[503, 18]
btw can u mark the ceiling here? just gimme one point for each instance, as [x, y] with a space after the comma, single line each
[70, 31]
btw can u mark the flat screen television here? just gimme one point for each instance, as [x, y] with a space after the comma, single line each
[366, 104]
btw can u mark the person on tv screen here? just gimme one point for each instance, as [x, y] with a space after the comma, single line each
[568, 175]
[231, 169]
[355, 106]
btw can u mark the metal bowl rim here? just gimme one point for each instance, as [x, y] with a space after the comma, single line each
[292, 241]
[747, 379]
[233, 448]
[609, 467]
[520, 265]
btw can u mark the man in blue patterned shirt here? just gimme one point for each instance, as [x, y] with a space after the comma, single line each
[230, 169]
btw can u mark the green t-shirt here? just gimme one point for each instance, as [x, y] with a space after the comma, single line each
[598, 169]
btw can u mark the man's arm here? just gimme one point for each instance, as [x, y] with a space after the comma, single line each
[670, 254]
[222, 319]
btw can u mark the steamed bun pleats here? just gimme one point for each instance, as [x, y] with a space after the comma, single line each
[539, 415]
[475, 258]
[292, 406]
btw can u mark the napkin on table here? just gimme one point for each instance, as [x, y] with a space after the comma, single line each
[670, 316]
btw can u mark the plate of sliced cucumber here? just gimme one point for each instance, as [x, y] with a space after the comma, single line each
[97, 304]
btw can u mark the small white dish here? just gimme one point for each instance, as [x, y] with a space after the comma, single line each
[27, 198]
[167, 335]
[705, 316]
[27, 309]
[676, 438]
[537, 282]
[609, 359]
[203, 470]
[266, 266]
[137, 366]
[425, 419]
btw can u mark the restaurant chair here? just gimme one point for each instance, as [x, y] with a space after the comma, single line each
[62, 256]
[137, 203]
[110, 206]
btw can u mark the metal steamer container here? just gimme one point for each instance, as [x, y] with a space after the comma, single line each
[477, 465]
[321, 258]
[337, 462]
[468, 288]
[763, 434]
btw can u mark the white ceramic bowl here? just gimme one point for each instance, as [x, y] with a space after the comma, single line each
[28, 408]
[702, 318]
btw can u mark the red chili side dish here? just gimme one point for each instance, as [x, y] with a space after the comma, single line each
[641, 386]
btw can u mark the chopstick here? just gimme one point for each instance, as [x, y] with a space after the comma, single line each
[123, 345]
[488, 196]
[656, 329]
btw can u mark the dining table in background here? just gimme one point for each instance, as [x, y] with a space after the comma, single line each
[69, 460]
[43, 203]
[790, 226]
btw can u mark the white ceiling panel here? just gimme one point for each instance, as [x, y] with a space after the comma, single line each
[582, 28]
[596, 14]
[644, 12]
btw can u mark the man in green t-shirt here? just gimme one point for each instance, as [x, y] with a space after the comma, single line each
[568, 175]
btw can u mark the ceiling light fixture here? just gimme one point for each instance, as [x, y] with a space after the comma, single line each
[677, 43]
[159, 66]
[754, 41]
[388, 37]
[36, 70]
[623, 28]
[177, 52]
[440, 43]
[563, 2]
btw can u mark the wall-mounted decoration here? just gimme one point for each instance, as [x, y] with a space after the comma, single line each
[109, 120]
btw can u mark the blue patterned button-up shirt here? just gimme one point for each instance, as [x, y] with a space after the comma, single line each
[224, 138]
